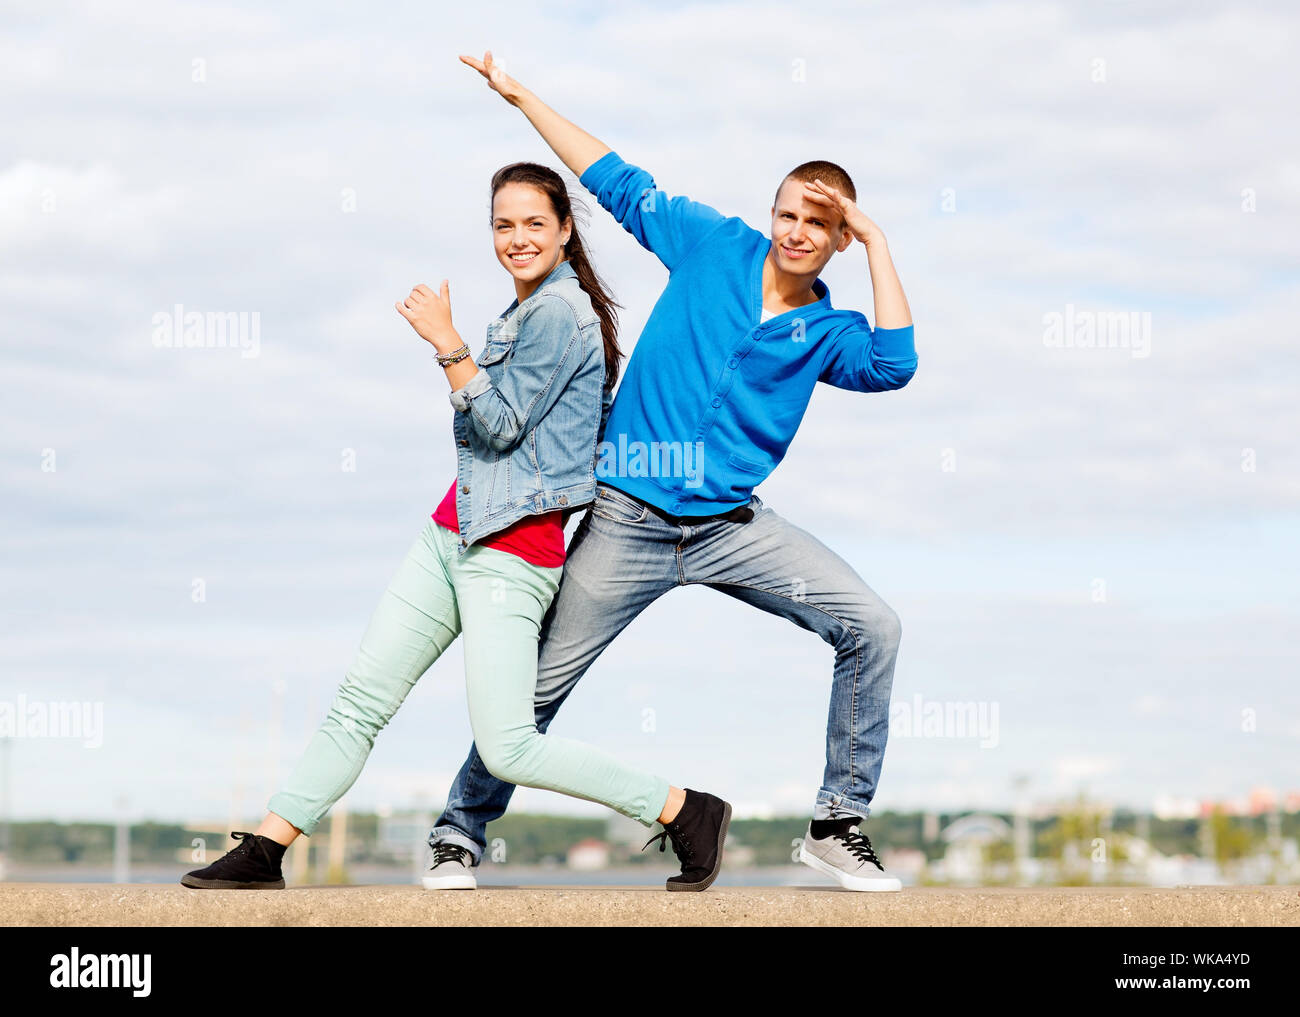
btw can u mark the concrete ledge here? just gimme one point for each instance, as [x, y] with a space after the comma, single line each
[79, 905]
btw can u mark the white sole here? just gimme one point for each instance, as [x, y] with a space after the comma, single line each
[883, 884]
[449, 882]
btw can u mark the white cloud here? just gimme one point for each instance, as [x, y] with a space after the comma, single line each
[1071, 464]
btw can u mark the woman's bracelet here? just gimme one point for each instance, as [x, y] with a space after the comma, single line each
[454, 357]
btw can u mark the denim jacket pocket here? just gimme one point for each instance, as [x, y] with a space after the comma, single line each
[527, 422]
[495, 351]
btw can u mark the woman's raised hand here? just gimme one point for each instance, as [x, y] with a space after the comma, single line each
[499, 81]
[430, 315]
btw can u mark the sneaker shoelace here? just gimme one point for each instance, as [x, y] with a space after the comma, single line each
[681, 845]
[445, 852]
[860, 847]
[248, 841]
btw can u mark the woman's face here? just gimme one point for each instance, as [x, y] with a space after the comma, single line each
[528, 238]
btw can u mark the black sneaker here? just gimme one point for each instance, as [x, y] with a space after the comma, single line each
[698, 833]
[250, 866]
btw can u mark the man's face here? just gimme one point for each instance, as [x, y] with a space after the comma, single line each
[804, 233]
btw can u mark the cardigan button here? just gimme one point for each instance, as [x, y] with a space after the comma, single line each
[462, 442]
[464, 489]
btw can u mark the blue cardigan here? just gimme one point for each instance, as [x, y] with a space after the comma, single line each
[711, 399]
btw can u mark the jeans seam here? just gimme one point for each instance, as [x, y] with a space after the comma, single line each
[836, 798]
[469, 778]
[857, 654]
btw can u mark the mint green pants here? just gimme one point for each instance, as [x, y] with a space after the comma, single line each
[498, 600]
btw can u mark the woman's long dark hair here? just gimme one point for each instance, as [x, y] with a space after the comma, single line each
[549, 183]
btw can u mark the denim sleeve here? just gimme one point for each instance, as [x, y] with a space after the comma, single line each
[606, 401]
[865, 360]
[668, 227]
[547, 354]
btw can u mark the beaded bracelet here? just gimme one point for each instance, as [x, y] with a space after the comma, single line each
[455, 356]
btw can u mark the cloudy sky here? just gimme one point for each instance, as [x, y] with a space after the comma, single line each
[1098, 546]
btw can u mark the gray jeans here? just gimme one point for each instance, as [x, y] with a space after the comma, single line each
[623, 557]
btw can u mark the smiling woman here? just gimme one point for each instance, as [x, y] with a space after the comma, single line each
[489, 561]
[533, 230]
[527, 234]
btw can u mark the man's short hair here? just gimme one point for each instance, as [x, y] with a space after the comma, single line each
[829, 173]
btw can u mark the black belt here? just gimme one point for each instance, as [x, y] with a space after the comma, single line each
[740, 514]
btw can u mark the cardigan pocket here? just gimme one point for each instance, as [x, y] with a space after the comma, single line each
[746, 465]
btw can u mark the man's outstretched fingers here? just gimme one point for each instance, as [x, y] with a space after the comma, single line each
[819, 194]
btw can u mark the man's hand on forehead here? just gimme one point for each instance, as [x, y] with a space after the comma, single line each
[855, 220]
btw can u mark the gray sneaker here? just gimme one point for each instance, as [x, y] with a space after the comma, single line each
[849, 859]
[452, 869]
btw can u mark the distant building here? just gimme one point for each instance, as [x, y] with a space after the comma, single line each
[967, 838]
[908, 862]
[1262, 800]
[738, 856]
[626, 837]
[403, 835]
[1170, 807]
[588, 855]
[978, 827]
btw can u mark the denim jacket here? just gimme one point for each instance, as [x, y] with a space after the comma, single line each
[527, 424]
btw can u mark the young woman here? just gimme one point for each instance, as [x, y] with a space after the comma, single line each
[489, 561]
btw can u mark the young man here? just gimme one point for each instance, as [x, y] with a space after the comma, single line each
[744, 330]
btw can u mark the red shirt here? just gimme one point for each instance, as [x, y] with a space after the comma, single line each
[535, 539]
